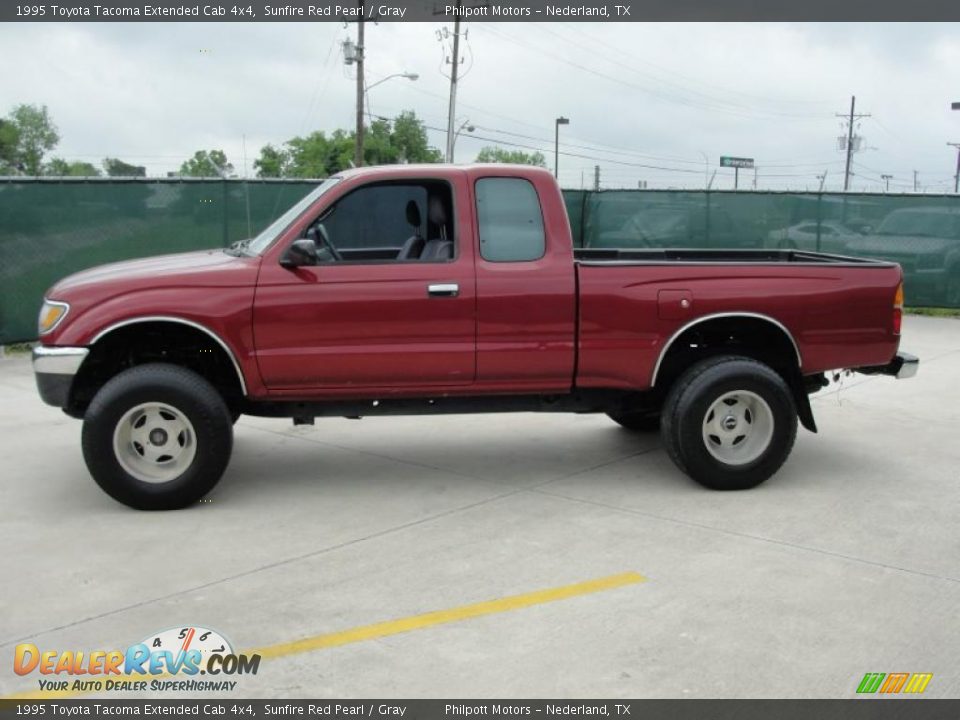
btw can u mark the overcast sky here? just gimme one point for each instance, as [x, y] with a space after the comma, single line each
[636, 94]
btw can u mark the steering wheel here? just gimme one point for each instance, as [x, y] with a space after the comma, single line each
[325, 239]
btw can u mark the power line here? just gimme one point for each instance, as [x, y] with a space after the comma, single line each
[661, 95]
[604, 42]
[717, 102]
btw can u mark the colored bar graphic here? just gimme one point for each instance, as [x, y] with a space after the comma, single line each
[894, 683]
[918, 682]
[871, 682]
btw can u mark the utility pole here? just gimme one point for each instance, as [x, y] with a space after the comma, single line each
[361, 51]
[596, 177]
[914, 180]
[454, 68]
[556, 145]
[754, 177]
[956, 177]
[850, 120]
[886, 179]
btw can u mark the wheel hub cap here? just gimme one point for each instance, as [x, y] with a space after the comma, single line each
[738, 427]
[154, 442]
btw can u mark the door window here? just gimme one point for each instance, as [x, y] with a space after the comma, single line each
[388, 222]
[510, 220]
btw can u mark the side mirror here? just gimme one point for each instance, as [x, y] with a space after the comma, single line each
[301, 252]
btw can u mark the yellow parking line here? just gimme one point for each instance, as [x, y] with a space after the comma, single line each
[441, 617]
[396, 627]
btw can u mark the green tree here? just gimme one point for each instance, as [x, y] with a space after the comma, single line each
[59, 167]
[320, 155]
[9, 138]
[35, 135]
[515, 157]
[118, 168]
[409, 136]
[207, 163]
[316, 155]
[273, 162]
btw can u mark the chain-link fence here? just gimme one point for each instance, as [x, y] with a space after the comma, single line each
[51, 228]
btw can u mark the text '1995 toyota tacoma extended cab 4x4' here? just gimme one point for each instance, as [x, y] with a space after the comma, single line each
[453, 289]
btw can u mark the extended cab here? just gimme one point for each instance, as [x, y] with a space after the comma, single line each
[442, 289]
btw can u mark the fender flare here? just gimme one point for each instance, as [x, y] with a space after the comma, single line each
[189, 323]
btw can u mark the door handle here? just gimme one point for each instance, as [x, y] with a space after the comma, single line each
[443, 290]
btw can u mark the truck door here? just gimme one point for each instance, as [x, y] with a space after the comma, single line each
[390, 305]
[526, 292]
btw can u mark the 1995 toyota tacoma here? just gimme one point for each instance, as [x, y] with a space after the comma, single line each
[453, 289]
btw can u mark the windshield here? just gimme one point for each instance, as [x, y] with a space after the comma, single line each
[262, 241]
[919, 224]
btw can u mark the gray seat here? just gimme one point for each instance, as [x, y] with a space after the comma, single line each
[414, 246]
[438, 249]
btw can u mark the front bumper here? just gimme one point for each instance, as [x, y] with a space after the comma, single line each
[904, 365]
[55, 368]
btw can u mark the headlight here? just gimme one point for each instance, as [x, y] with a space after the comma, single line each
[51, 313]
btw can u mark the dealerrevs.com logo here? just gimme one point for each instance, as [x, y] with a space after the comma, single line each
[169, 660]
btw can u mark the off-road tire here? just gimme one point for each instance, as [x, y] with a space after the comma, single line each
[690, 399]
[199, 403]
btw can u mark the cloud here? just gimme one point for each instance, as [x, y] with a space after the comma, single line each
[644, 100]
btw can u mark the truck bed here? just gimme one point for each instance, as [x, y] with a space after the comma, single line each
[836, 310]
[645, 256]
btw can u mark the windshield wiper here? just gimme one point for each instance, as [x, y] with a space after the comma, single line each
[237, 248]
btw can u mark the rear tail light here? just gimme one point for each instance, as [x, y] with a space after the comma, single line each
[898, 309]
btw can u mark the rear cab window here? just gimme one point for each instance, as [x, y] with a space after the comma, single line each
[509, 219]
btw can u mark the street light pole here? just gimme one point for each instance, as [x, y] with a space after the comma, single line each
[408, 75]
[465, 125]
[556, 144]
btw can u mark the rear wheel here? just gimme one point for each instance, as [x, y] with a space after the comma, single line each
[157, 437]
[637, 422]
[729, 422]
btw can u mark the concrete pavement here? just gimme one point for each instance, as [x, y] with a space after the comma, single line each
[846, 562]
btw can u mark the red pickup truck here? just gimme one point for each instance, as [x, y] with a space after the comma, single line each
[442, 289]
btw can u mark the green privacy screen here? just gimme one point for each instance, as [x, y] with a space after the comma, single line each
[51, 228]
[921, 232]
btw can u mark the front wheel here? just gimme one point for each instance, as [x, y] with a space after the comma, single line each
[157, 437]
[729, 422]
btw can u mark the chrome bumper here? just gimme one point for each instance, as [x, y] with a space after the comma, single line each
[909, 364]
[58, 360]
[54, 368]
[903, 366]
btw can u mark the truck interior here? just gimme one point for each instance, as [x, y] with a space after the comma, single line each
[409, 221]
